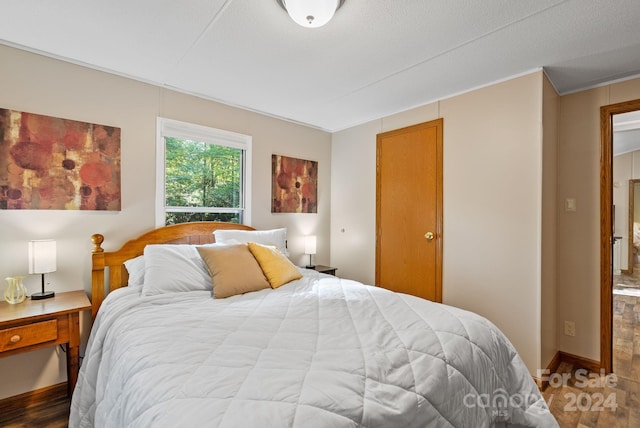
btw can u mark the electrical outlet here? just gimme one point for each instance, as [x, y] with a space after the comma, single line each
[569, 328]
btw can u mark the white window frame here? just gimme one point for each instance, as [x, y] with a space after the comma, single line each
[189, 131]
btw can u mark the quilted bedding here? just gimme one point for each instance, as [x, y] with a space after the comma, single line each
[318, 352]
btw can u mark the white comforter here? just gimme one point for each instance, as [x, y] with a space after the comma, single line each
[317, 352]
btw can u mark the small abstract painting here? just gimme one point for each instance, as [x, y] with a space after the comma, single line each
[48, 163]
[294, 185]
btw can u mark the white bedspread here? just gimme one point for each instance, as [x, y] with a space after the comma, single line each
[318, 352]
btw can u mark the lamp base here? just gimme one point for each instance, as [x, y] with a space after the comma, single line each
[310, 267]
[43, 295]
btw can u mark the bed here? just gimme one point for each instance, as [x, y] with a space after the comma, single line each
[315, 351]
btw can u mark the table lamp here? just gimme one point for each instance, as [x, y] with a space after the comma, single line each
[310, 248]
[42, 259]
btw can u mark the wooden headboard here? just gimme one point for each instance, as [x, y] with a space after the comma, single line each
[103, 281]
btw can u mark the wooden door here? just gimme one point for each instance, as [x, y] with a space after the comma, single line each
[409, 210]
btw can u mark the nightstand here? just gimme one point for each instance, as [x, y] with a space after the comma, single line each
[36, 324]
[325, 269]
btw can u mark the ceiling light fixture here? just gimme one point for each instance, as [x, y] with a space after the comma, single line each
[311, 13]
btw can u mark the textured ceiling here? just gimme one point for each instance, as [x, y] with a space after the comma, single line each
[375, 58]
[626, 133]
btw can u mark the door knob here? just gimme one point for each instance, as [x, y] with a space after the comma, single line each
[429, 236]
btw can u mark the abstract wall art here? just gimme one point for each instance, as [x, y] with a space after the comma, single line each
[48, 163]
[294, 185]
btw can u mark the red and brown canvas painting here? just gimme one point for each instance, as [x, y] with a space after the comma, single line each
[58, 164]
[294, 185]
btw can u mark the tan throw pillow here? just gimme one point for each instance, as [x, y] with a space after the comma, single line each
[276, 266]
[233, 270]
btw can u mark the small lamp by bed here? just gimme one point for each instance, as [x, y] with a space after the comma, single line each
[310, 248]
[42, 259]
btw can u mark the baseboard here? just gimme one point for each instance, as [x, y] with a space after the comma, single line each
[565, 357]
[30, 398]
[576, 360]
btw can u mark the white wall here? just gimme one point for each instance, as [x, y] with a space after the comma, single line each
[353, 199]
[579, 232]
[37, 84]
[492, 203]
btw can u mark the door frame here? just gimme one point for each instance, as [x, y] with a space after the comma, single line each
[606, 227]
[439, 125]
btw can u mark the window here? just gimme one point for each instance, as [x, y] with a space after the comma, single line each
[202, 174]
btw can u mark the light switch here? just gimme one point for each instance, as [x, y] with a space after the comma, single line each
[570, 204]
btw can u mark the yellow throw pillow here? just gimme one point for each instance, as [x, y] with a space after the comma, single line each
[233, 270]
[276, 266]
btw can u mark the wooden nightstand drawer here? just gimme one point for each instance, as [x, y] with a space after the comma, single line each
[27, 335]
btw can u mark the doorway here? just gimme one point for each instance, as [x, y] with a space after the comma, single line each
[409, 210]
[607, 226]
[630, 248]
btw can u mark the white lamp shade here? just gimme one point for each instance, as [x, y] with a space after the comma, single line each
[42, 256]
[311, 13]
[310, 244]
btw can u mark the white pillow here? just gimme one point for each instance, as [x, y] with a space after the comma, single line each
[135, 267]
[174, 267]
[275, 237]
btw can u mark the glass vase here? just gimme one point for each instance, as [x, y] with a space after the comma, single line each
[15, 292]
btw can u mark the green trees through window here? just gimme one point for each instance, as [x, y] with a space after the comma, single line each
[203, 182]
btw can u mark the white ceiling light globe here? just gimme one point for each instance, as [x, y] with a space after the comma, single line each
[311, 13]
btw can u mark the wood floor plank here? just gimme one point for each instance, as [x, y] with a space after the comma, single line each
[51, 414]
[577, 407]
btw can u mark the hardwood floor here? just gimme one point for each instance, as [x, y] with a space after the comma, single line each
[52, 414]
[599, 400]
[594, 403]
[626, 325]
